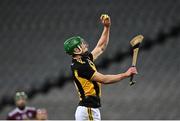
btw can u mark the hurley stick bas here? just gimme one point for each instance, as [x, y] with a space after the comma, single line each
[135, 42]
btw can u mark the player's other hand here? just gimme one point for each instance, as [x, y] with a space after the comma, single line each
[105, 20]
[131, 71]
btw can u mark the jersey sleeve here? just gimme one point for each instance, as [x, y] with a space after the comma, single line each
[34, 112]
[91, 56]
[9, 117]
[85, 71]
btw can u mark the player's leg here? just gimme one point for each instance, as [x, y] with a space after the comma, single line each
[81, 113]
[84, 113]
[94, 114]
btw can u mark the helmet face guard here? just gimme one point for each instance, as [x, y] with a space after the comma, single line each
[85, 43]
[72, 43]
[20, 95]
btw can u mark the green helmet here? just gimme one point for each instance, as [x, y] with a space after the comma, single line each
[20, 95]
[72, 43]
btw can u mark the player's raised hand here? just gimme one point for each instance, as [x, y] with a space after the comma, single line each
[131, 71]
[105, 20]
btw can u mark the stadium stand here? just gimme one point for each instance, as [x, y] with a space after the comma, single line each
[32, 56]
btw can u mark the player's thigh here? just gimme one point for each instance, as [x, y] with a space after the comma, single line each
[84, 113]
[81, 113]
[96, 113]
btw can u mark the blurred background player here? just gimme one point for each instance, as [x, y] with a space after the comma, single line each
[22, 112]
[87, 79]
[41, 114]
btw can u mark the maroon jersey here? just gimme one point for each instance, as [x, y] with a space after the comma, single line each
[27, 113]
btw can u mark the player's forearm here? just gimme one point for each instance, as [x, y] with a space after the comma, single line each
[104, 39]
[109, 79]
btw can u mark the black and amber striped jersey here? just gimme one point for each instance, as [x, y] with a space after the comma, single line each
[89, 91]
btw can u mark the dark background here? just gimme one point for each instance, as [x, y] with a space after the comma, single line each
[32, 58]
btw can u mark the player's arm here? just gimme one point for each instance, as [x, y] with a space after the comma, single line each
[9, 117]
[109, 79]
[104, 39]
